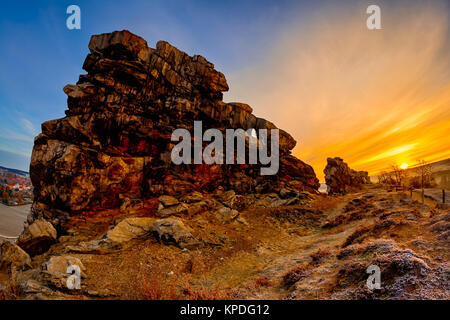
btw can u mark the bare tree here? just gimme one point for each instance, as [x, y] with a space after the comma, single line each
[424, 171]
[399, 174]
[383, 177]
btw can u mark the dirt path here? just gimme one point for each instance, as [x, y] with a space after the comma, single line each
[282, 251]
[289, 249]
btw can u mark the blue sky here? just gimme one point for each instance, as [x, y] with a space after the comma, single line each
[39, 55]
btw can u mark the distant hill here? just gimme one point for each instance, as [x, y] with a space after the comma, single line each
[441, 173]
[16, 171]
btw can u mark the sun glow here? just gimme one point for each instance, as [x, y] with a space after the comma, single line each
[404, 165]
[335, 98]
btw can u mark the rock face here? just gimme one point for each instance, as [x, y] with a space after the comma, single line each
[340, 178]
[114, 145]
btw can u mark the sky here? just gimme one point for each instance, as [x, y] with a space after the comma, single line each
[373, 97]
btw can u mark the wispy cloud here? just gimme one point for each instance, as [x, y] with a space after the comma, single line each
[371, 97]
[29, 126]
[13, 135]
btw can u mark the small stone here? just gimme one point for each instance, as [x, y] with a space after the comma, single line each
[173, 230]
[130, 228]
[168, 201]
[173, 210]
[225, 215]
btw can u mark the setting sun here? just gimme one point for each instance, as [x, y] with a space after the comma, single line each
[404, 165]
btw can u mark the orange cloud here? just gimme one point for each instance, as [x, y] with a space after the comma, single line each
[371, 97]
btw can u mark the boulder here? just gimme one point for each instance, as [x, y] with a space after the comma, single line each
[12, 255]
[37, 237]
[57, 265]
[129, 229]
[340, 179]
[173, 231]
[226, 215]
[55, 270]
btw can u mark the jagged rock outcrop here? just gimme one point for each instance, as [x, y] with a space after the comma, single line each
[114, 145]
[340, 178]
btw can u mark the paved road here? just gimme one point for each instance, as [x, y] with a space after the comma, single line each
[11, 220]
[435, 194]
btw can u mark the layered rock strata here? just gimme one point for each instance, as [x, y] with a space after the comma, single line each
[114, 145]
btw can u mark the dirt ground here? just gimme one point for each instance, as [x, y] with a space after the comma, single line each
[318, 250]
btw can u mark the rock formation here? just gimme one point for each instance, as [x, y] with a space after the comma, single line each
[113, 147]
[340, 179]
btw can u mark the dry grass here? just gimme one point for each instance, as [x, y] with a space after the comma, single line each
[154, 287]
[294, 275]
[203, 292]
[355, 235]
[320, 255]
[11, 292]
[326, 203]
[262, 282]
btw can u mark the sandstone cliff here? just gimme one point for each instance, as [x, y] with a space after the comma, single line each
[113, 147]
[340, 178]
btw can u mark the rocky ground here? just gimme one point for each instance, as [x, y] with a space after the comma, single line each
[112, 206]
[274, 246]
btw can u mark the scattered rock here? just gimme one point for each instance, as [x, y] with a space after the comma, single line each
[197, 207]
[32, 287]
[12, 255]
[37, 237]
[97, 246]
[173, 230]
[181, 208]
[55, 271]
[100, 293]
[227, 198]
[271, 200]
[226, 215]
[193, 197]
[288, 193]
[340, 179]
[168, 201]
[128, 229]
[57, 265]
